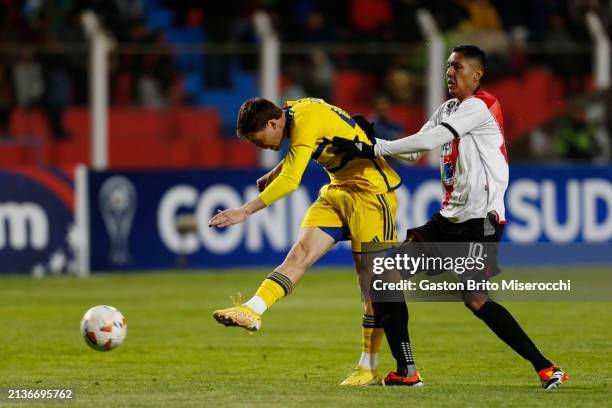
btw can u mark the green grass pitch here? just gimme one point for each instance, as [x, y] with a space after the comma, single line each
[177, 355]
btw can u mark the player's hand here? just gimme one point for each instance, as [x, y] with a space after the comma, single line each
[353, 148]
[228, 217]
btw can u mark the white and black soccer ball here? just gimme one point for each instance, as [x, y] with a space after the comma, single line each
[103, 328]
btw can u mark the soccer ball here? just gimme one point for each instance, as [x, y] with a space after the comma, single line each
[103, 328]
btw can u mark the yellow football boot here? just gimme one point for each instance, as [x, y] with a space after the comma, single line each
[363, 376]
[241, 316]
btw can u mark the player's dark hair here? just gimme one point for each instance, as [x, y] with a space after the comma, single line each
[254, 114]
[472, 51]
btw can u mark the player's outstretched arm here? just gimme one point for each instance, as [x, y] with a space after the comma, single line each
[236, 215]
[419, 142]
[409, 157]
[290, 172]
[407, 148]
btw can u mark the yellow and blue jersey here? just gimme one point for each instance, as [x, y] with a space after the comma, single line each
[312, 124]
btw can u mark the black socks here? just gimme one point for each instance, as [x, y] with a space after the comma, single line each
[507, 328]
[394, 318]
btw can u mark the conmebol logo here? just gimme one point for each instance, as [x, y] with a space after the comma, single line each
[36, 215]
[23, 225]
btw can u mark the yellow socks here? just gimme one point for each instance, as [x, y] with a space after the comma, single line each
[371, 338]
[271, 290]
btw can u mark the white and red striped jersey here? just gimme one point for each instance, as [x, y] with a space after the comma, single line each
[474, 166]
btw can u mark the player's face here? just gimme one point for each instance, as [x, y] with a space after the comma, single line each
[462, 75]
[270, 137]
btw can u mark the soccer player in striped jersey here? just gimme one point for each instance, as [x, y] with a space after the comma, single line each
[358, 204]
[469, 128]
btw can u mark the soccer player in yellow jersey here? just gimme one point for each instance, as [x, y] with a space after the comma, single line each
[358, 204]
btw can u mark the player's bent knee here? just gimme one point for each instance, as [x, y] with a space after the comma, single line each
[474, 305]
[474, 300]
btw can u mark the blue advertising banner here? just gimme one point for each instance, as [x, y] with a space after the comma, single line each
[36, 221]
[133, 214]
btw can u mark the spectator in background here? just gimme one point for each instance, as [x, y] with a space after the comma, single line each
[399, 84]
[519, 58]
[28, 79]
[129, 12]
[574, 136]
[131, 65]
[565, 64]
[149, 91]
[58, 86]
[320, 75]
[310, 75]
[156, 80]
[222, 24]
[317, 29]
[483, 26]
[301, 20]
[295, 77]
[482, 16]
[6, 101]
[385, 127]
[447, 14]
[79, 62]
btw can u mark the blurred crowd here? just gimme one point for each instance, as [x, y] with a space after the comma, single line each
[43, 48]
[44, 57]
[555, 30]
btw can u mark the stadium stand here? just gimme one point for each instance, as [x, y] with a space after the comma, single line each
[179, 109]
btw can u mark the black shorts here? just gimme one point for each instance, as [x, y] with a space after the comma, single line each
[440, 229]
[443, 238]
